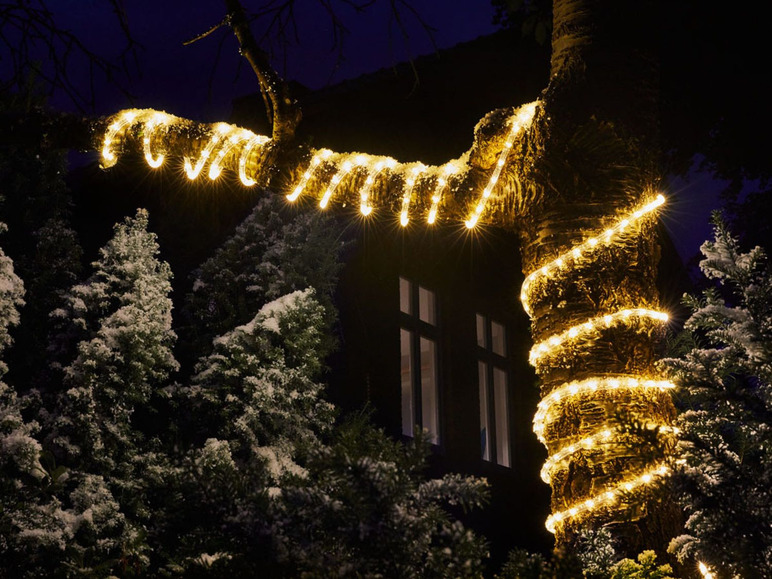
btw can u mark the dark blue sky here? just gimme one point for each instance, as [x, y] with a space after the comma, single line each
[176, 77]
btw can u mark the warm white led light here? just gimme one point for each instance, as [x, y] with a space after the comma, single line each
[124, 121]
[316, 160]
[442, 182]
[220, 131]
[607, 497]
[521, 120]
[344, 169]
[582, 250]
[156, 120]
[407, 191]
[252, 142]
[602, 437]
[546, 409]
[548, 346]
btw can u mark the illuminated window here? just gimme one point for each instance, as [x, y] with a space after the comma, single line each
[419, 368]
[493, 384]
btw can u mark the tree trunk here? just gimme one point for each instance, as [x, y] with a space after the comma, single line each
[594, 146]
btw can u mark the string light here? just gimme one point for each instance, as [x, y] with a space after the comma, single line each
[448, 170]
[364, 194]
[627, 316]
[607, 497]
[591, 442]
[235, 136]
[319, 156]
[545, 410]
[125, 119]
[253, 141]
[583, 251]
[345, 169]
[706, 571]
[221, 130]
[226, 137]
[226, 141]
[407, 191]
[520, 122]
[155, 121]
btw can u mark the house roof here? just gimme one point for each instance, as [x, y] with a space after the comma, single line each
[425, 110]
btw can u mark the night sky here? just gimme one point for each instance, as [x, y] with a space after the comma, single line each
[176, 78]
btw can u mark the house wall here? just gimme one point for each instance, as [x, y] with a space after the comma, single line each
[469, 274]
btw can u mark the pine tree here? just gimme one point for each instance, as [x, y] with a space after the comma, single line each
[36, 204]
[123, 313]
[258, 410]
[724, 471]
[272, 253]
[366, 509]
[93, 519]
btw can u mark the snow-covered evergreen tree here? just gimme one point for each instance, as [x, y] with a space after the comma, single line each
[258, 411]
[36, 205]
[91, 517]
[366, 509]
[19, 450]
[724, 466]
[272, 253]
[123, 313]
[258, 389]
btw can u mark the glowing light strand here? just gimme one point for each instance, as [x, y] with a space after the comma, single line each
[253, 141]
[442, 182]
[316, 160]
[520, 122]
[345, 168]
[589, 443]
[407, 191]
[225, 136]
[364, 194]
[544, 410]
[548, 346]
[158, 119]
[124, 121]
[608, 497]
[582, 250]
[221, 130]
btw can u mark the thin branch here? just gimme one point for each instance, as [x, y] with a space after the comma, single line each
[224, 22]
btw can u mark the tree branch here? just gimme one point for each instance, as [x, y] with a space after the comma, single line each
[284, 112]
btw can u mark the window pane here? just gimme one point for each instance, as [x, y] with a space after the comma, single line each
[501, 408]
[429, 401]
[480, 331]
[426, 306]
[498, 344]
[404, 296]
[485, 446]
[408, 415]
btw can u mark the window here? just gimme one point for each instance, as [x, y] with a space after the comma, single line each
[493, 387]
[419, 367]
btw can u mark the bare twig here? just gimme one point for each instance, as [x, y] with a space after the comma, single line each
[30, 33]
[223, 22]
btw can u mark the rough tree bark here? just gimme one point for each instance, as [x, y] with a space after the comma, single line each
[594, 157]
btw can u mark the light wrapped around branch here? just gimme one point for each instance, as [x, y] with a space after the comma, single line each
[224, 141]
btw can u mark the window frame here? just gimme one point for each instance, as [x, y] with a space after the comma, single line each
[492, 361]
[419, 330]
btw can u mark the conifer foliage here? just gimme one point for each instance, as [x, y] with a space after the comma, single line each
[724, 471]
